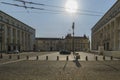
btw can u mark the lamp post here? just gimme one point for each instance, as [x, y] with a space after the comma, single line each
[71, 7]
[73, 26]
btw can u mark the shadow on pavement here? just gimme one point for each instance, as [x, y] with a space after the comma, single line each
[65, 65]
[77, 63]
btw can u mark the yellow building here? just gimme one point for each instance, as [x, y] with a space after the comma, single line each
[106, 32]
[15, 35]
[80, 43]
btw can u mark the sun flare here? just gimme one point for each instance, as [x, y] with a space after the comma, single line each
[71, 6]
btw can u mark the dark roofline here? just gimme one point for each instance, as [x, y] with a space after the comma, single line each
[76, 37]
[16, 19]
[81, 37]
[105, 14]
[49, 39]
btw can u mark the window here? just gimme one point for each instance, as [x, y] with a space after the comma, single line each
[13, 23]
[17, 25]
[6, 20]
[119, 44]
[1, 26]
[1, 17]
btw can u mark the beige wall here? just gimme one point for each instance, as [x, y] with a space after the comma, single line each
[16, 35]
[48, 44]
[80, 44]
[106, 32]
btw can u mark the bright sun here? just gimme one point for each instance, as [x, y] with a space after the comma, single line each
[71, 6]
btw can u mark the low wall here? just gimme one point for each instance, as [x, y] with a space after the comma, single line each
[94, 51]
[107, 53]
[112, 53]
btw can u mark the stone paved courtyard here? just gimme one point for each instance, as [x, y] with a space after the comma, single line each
[61, 70]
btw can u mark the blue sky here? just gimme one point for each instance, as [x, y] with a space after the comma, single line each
[58, 23]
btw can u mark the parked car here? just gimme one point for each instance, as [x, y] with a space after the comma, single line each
[65, 52]
[13, 52]
[16, 51]
[10, 52]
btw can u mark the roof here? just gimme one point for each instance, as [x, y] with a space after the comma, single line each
[16, 19]
[76, 37]
[49, 39]
[104, 16]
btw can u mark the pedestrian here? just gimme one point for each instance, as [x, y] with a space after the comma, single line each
[77, 56]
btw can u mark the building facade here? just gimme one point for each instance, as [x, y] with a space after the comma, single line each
[49, 44]
[56, 44]
[79, 43]
[106, 32]
[15, 35]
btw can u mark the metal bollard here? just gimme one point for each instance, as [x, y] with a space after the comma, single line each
[111, 57]
[1, 56]
[67, 58]
[57, 58]
[37, 57]
[10, 57]
[103, 57]
[27, 57]
[46, 57]
[86, 58]
[18, 56]
[96, 58]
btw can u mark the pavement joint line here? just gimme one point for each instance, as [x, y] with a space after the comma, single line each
[12, 61]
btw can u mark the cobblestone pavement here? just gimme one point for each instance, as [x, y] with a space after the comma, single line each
[61, 70]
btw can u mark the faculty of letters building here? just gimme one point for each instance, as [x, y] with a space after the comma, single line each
[56, 44]
[15, 35]
[106, 32]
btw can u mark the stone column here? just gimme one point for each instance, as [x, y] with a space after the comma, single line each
[20, 41]
[16, 39]
[11, 40]
[5, 38]
[110, 32]
[24, 41]
[118, 32]
[115, 34]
